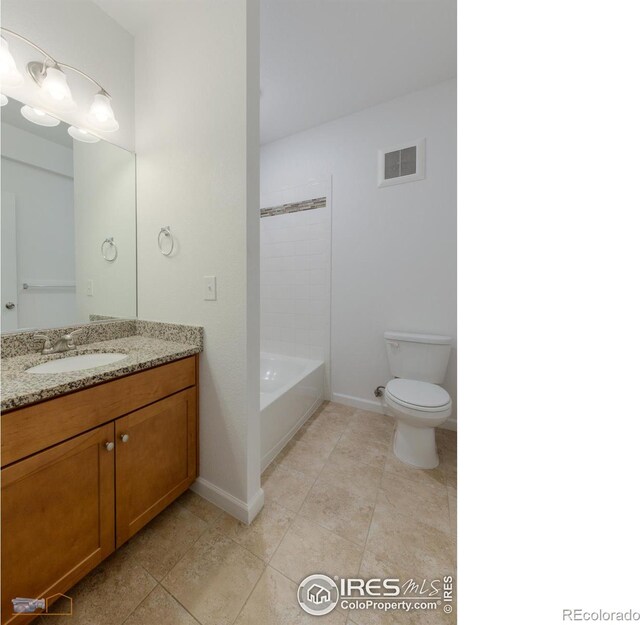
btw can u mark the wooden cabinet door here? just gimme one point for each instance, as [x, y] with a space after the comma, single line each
[57, 517]
[155, 460]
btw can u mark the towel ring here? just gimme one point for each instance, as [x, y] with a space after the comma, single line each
[166, 232]
[109, 242]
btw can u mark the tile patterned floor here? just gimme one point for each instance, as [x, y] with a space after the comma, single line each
[336, 501]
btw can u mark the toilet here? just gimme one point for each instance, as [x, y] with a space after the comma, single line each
[413, 397]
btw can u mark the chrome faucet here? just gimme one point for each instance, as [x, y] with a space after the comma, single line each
[64, 344]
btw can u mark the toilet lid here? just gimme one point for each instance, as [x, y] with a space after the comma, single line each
[418, 394]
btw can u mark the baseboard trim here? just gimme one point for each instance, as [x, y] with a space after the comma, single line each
[242, 511]
[255, 505]
[377, 406]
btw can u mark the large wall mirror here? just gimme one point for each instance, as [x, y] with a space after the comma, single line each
[68, 226]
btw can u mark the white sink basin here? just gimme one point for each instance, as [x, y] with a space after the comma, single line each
[77, 363]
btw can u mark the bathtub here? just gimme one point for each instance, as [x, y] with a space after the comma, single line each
[290, 391]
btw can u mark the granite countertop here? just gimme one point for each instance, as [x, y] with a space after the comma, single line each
[20, 388]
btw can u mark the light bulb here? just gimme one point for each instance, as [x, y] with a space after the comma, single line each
[3, 99]
[56, 90]
[38, 116]
[9, 74]
[101, 114]
[80, 134]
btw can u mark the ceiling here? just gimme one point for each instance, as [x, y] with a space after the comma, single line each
[323, 59]
[130, 14]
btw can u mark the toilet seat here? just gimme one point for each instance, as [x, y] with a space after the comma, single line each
[418, 395]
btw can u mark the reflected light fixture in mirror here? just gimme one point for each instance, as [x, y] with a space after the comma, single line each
[38, 116]
[80, 134]
[9, 74]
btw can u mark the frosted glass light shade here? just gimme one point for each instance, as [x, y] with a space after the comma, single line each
[56, 90]
[3, 99]
[80, 134]
[39, 117]
[101, 114]
[9, 74]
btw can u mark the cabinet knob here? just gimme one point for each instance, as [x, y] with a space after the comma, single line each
[124, 437]
[109, 446]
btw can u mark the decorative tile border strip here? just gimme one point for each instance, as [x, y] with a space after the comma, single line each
[294, 207]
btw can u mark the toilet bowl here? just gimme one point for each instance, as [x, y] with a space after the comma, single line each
[414, 397]
[418, 407]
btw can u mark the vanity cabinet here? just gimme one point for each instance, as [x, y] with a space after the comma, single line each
[57, 517]
[155, 460]
[91, 483]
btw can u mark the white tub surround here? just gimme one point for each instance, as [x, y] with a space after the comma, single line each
[291, 389]
[295, 271]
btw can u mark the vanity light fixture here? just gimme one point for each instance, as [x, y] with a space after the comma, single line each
[52, 80]
[101, 114]
[38, 116]
[9, 74]
[3, 99]
[80, 134]
[53, 84]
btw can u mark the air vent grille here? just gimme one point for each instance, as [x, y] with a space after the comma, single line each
[401, 163]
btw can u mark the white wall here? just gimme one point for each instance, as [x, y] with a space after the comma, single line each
[295, 275]
[76, 32]
[105, 206]
[39, 173]
[197, 157]
[394, 248]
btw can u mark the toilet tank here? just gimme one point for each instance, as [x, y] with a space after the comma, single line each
[418, 356]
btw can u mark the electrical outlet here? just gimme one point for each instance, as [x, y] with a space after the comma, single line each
[210, 289]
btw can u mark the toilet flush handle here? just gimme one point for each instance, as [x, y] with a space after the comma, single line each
[394, 344]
